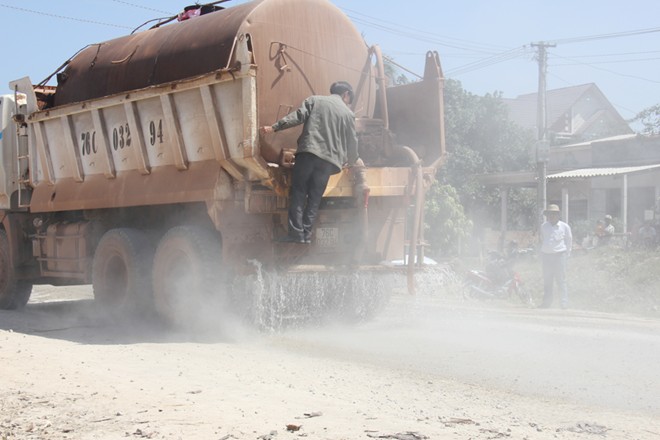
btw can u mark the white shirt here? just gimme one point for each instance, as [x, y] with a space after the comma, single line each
[556, 238]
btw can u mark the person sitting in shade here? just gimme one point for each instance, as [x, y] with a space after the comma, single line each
[605, 232]
[647, 235]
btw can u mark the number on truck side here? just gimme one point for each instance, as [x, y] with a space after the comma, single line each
[156, 133]
[121, 137]
[88, 143]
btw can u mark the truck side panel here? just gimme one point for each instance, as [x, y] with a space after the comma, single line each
[159, 133]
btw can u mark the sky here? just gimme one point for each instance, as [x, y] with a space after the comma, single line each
[484, 44]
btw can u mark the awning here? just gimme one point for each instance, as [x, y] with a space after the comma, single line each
[586, 173]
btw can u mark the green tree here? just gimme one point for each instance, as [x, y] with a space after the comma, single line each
[480, 140]
[446, 225]
[649, 118]
[394, 75]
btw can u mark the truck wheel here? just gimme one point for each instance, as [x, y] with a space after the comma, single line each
[121, 271]
[186, 274]
[14, 294]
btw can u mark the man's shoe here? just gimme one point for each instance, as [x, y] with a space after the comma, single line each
[290, 239]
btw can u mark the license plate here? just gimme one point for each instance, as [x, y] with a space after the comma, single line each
[327, 237]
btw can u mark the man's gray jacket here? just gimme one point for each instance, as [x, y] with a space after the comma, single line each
[329, 130]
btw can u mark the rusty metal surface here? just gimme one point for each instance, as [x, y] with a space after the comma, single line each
[381, 181]
[69, 239]
[300, 47]
[193, 128]
[165, 185]
[416, 113]
[156, 56]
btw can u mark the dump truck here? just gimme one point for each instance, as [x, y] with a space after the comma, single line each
[143, 173]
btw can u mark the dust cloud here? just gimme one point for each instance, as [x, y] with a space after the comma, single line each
[432, 363]
[570, 355]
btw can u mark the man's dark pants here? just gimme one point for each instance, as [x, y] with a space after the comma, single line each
[310, 177]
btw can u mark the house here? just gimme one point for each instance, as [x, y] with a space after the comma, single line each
[619, 175]
[595, 165]
[574, 114]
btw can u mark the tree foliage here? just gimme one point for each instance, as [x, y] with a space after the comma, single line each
[393, 74]
[480, 140]
[649, 118]
[446, 225]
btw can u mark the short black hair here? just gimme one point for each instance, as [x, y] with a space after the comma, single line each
[341, 87]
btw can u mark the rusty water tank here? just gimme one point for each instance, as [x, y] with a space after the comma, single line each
[300, 47]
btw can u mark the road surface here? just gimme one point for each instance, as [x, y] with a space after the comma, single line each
[427, 367]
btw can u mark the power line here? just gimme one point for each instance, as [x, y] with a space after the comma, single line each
[606, 36]
[398, 29]
[63, 17]
[429, 37]
[630, 60]
[142, 7]
[497, 58]
[607, 70]
[486, 62]
[421, 35]
[480, 46]
[414, 36]
[616, 54]
[445, 55]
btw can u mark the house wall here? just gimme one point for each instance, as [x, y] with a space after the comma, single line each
[591, 199]
[569, 158]
[607, 195]
[629, 152]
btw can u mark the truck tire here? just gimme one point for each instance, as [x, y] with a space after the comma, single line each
[14, 294]
[187, 275]
[121, 272]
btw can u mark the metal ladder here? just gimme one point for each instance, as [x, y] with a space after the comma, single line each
[24, 188]
[22, 156]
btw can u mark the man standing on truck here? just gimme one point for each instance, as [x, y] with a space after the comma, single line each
[328, 142]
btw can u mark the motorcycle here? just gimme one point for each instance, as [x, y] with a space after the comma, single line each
[498, 279]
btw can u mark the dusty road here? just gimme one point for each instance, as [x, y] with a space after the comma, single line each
[425, 368]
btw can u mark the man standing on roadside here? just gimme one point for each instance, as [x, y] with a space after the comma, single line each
[556, 245]
[328, 141]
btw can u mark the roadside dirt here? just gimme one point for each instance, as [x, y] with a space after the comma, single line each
[68, 374]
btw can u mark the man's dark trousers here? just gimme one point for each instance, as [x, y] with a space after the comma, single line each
[310, 177]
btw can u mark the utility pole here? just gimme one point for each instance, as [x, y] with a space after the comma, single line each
[542, 144]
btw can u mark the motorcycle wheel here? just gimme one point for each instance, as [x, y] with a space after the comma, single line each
[525, 295]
